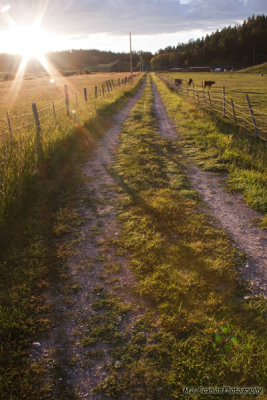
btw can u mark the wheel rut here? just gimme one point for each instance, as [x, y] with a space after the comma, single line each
[229, 210]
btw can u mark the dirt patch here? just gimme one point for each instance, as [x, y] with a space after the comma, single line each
[229, 210]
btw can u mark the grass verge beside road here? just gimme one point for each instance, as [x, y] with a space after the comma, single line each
[216, 145]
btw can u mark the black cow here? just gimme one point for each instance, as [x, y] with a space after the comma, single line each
[178, 82]
[208, 83]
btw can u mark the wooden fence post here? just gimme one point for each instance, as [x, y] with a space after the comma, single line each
[107, 86]
[39, 150]
[223, 95]
[233, 107]
[67, 99]
[103, 90]
[110, 85]
[252, 115]
[9, 125]
[210, 101]
[85, 94]
[95, 92]
[204, 97]
[194, 93]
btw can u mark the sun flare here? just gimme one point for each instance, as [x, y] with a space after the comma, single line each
[31, 42]
[28, 41]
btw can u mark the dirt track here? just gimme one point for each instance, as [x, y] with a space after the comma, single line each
[229, 210]
[78, 374]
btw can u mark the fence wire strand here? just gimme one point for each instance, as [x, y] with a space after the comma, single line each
[222, 105]
[56, 106]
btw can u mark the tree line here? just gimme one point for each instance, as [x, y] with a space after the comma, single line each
[237, 47]
[80, 61]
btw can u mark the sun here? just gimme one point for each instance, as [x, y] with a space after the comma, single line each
[28, 41]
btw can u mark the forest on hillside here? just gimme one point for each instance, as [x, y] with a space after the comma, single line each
[238, 47]
[81, 60]
[96, 60]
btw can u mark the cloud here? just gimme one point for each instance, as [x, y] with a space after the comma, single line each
[148, 16]
[142, 17]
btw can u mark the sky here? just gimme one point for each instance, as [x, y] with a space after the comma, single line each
[105, 24]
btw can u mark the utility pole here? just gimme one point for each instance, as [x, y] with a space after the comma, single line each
[131, 57]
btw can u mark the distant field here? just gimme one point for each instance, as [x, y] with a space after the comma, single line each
[20, 148]
[16, 98]
[40, 90]
[237, 85]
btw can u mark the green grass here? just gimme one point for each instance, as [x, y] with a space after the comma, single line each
[216, 145]
[105, 327]
[201, 331]
[256, 69]
[31, 262]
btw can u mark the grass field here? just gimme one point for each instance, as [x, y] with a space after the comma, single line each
[18, 153]
[237, 85]
[39, 89]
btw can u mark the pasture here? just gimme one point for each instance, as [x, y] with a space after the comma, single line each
[237, 85]
[16, 97]
[20, 149]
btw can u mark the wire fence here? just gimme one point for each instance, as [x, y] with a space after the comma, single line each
[245, 117]
[31, 142]
[11, 123]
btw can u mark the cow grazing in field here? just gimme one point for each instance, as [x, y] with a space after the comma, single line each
[208, 83]
[190, 81]
[178, 82]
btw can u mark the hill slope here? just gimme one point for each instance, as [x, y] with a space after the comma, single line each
[256, 69]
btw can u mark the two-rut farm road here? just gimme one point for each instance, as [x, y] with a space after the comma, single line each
[101, 224]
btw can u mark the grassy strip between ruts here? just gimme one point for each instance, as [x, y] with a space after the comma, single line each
[29, 260]
[216, 145]
[206, 333]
